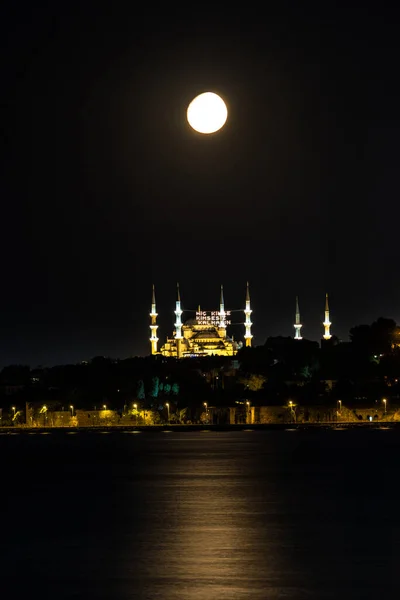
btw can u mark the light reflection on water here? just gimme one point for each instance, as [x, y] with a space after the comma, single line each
[212, 546]
[230, 515]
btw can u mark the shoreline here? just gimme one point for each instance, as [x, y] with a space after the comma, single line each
[196, 427]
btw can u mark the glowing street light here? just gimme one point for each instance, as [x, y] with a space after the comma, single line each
[167, 405]
[339, 410]
[384, 404]
[13, 408]
[247, 410]
[206, 408]
[292, 413]
[104, 407]
[72, 410]
[135, 407]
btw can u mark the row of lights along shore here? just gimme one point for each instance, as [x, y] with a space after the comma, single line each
[291, 406]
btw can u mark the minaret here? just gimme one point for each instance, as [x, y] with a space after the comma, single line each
[248, 323]
[178, 323]
[297, 325]
[327, 324]
[222, 314]
[153, 326]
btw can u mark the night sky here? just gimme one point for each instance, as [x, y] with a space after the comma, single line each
[106, 189]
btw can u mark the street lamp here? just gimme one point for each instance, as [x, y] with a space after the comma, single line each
[248, 410]
[72, 410]
[167, 405]
[292, 415]
[135, 407]
[339, 402]
[384, 404]
[13, 408]
[104, 407]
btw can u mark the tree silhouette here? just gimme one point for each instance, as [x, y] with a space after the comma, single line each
[378, 338]
[140, 393]
[155, 387]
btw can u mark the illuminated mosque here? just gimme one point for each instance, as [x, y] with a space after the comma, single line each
[206, 334]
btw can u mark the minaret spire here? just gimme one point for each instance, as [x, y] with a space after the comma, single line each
[297, 325]
[247, 323]
[153, 325]
[178, 323]
[222, 314]
[327, 324]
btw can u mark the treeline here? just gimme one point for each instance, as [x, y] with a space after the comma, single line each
[99, 381]
[365, 368]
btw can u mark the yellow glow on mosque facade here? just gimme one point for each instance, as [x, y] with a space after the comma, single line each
[200, 340]
[204, 335]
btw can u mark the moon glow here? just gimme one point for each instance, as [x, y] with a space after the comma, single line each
[207, 113]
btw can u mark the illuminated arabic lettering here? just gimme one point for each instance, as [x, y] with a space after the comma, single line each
[212, 318]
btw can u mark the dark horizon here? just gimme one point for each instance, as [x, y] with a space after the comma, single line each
[106, 190]
[166, 329]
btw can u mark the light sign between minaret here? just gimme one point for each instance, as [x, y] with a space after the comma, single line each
[212, 318]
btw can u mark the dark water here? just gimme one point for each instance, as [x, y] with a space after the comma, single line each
[202, 515]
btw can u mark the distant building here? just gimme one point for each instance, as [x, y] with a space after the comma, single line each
[200, 340]
[205, 335]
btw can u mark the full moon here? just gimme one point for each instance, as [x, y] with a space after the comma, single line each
[207, 113]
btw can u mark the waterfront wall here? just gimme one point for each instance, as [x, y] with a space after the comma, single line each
[237, 415]
[311, 414]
